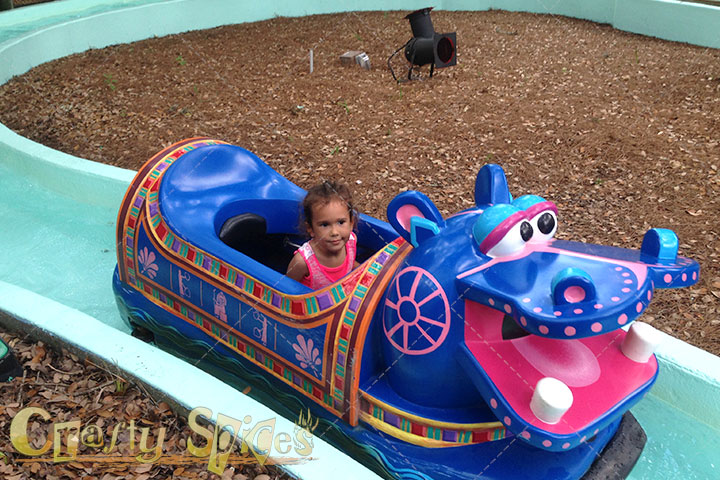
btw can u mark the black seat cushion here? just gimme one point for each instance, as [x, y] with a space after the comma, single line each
[247, 233]
[244, 232]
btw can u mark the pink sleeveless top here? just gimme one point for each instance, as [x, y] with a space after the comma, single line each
[320, 276]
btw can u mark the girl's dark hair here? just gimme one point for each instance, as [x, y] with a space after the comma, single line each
[323, 194]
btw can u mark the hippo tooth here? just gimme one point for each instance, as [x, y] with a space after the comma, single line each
[640, 342]
[551, 399]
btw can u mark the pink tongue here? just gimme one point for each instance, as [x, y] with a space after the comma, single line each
[567, 360]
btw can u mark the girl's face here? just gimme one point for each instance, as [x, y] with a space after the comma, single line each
[330, 227]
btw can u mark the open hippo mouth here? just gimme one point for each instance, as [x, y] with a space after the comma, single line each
[555, 312]
[604, 383]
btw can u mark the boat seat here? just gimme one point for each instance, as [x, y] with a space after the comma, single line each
[247, 233]
[244, 231]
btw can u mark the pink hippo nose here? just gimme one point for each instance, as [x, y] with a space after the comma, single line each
[573, 285]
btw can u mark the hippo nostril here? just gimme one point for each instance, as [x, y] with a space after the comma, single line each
[572, 285]
[574, 294]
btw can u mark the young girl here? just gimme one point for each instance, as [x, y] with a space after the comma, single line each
[330, 253]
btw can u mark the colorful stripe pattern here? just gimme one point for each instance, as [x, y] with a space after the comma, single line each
[145, 191]
[237, 342]
[147, 194]
[342, 305]
[329, 394]
[423, 431]
[342, 359]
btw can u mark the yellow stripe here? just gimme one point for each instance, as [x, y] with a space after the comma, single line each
[406, 436]
[426, 421]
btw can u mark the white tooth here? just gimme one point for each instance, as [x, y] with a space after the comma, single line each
[551, 399]
[640, 342]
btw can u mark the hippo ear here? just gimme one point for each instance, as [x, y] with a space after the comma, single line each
[415, 217]
[491, 186]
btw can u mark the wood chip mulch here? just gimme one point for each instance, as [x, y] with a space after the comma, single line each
[70, 388]
[621, 131]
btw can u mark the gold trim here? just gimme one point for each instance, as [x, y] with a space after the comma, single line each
[407, 436]
[428, 422]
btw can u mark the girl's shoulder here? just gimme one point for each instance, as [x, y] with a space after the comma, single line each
[298, 268]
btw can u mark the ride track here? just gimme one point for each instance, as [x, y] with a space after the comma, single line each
[686, 371]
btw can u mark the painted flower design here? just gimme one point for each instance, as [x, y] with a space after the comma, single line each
[306, 354]
[147, 262]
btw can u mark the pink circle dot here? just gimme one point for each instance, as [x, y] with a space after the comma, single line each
[596, 327]
[667, 278]
[507, 421]
[523, 321]
[537, 309]
[694, 276]
[557, 313]
[491, 302]
[493, 403]
[574, 294]
[543, 329]
[525, 435]
[508, 308]
[684, 277]
[547, 443]
[627, 282]
[649, 295]
[578, 311]
[566, 445]
[526, 300]
[598, 306]
[639, 307]
[626, 274]
[625, 290]
[615, 299]
[596, 431]
[622, 319]
[582, 440]
[617, 269]
[569, 331]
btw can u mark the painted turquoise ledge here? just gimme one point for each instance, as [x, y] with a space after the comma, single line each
[46, 303]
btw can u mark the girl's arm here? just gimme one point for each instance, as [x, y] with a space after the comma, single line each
[298, 269]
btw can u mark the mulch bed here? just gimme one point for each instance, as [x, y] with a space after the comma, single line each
[69, 388]
[621, 131]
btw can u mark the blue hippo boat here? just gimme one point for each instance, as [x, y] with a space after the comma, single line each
[467, 346]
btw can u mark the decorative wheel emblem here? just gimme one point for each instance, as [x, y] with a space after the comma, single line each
[416, 319]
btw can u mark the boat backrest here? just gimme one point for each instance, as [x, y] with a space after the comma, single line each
[247, 233]
[243, 232]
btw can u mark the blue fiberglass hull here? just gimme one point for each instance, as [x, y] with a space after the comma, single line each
[390, 458]
[426, 360]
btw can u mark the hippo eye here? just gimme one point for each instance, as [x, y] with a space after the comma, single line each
[513, 241]
[526, 231]
[545, 224]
